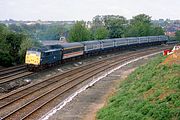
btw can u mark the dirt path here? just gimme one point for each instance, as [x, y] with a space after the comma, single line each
[95, 107]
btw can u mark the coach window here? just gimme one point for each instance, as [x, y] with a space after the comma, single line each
[48, 53]
[75, 49]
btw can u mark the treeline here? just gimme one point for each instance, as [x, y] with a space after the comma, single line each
[42, 31]
[16, 38]
[114, 26]
[13, 46]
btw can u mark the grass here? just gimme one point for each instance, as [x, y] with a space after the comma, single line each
[151, 92]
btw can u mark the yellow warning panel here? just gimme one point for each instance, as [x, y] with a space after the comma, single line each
[33, 57]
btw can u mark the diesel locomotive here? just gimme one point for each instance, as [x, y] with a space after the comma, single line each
[45, 56]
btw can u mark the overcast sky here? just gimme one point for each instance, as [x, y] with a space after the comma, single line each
[86, 9]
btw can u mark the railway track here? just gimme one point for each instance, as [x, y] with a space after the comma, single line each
[1, 67]
[12, 73]
[26, 103]
[18, 75]
[5, 71]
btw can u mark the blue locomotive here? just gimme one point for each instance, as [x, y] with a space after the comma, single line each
[38, 58]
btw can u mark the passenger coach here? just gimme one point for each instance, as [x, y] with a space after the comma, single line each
[72, 50]
[91, 47]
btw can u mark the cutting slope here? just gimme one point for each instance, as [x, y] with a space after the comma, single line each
[151, 92]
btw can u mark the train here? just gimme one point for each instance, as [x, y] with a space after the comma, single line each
[51, 55]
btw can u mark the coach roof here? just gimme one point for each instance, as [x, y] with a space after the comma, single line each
[71, 45]
[90, 42]
[107, 40]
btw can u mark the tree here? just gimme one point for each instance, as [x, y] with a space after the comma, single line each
[97, 22]
[10, 45]
[3, 33]
[140, 25]
[79, 32]
[14, 41]
[101, 33]
[177, 35]
[5, 58]
[116, 25]
[44, 31]
[26, 43]
[141, 18]
[15, 28]
[155, 31]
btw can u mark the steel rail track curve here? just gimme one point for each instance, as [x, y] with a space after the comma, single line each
[53, 87]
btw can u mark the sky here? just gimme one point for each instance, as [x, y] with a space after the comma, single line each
[63, 10]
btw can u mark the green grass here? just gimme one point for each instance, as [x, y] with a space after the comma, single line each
[151, 92]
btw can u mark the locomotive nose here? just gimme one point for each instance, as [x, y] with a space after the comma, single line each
[32, 58]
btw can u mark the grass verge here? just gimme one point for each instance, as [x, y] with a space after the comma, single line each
[151, 92]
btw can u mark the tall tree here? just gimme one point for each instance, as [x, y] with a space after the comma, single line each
[15, 28]
[5, 58]
[155, 31]
[79, 32]
[140, 25]
[11, 44]
[97, 23]
[25, 44]
[141, 18]
[101, 33]
[116, 25]
[14, 41]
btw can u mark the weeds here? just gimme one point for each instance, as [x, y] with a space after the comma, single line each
[151, 92]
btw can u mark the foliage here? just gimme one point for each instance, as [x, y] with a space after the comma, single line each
[16, 28]
[151, 92]
[141, 18]
[178, 35]
[97, 22]
[41, 31]
[13, 40]
[156, 31]
[79, 32]
[51, 33]
[12, 46]
[141, 25]
[26, 43]
[116, 25]
[97, 26]
[101, 33]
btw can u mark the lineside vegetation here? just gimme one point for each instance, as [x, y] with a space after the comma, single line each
[151, 92]
[13, 46]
